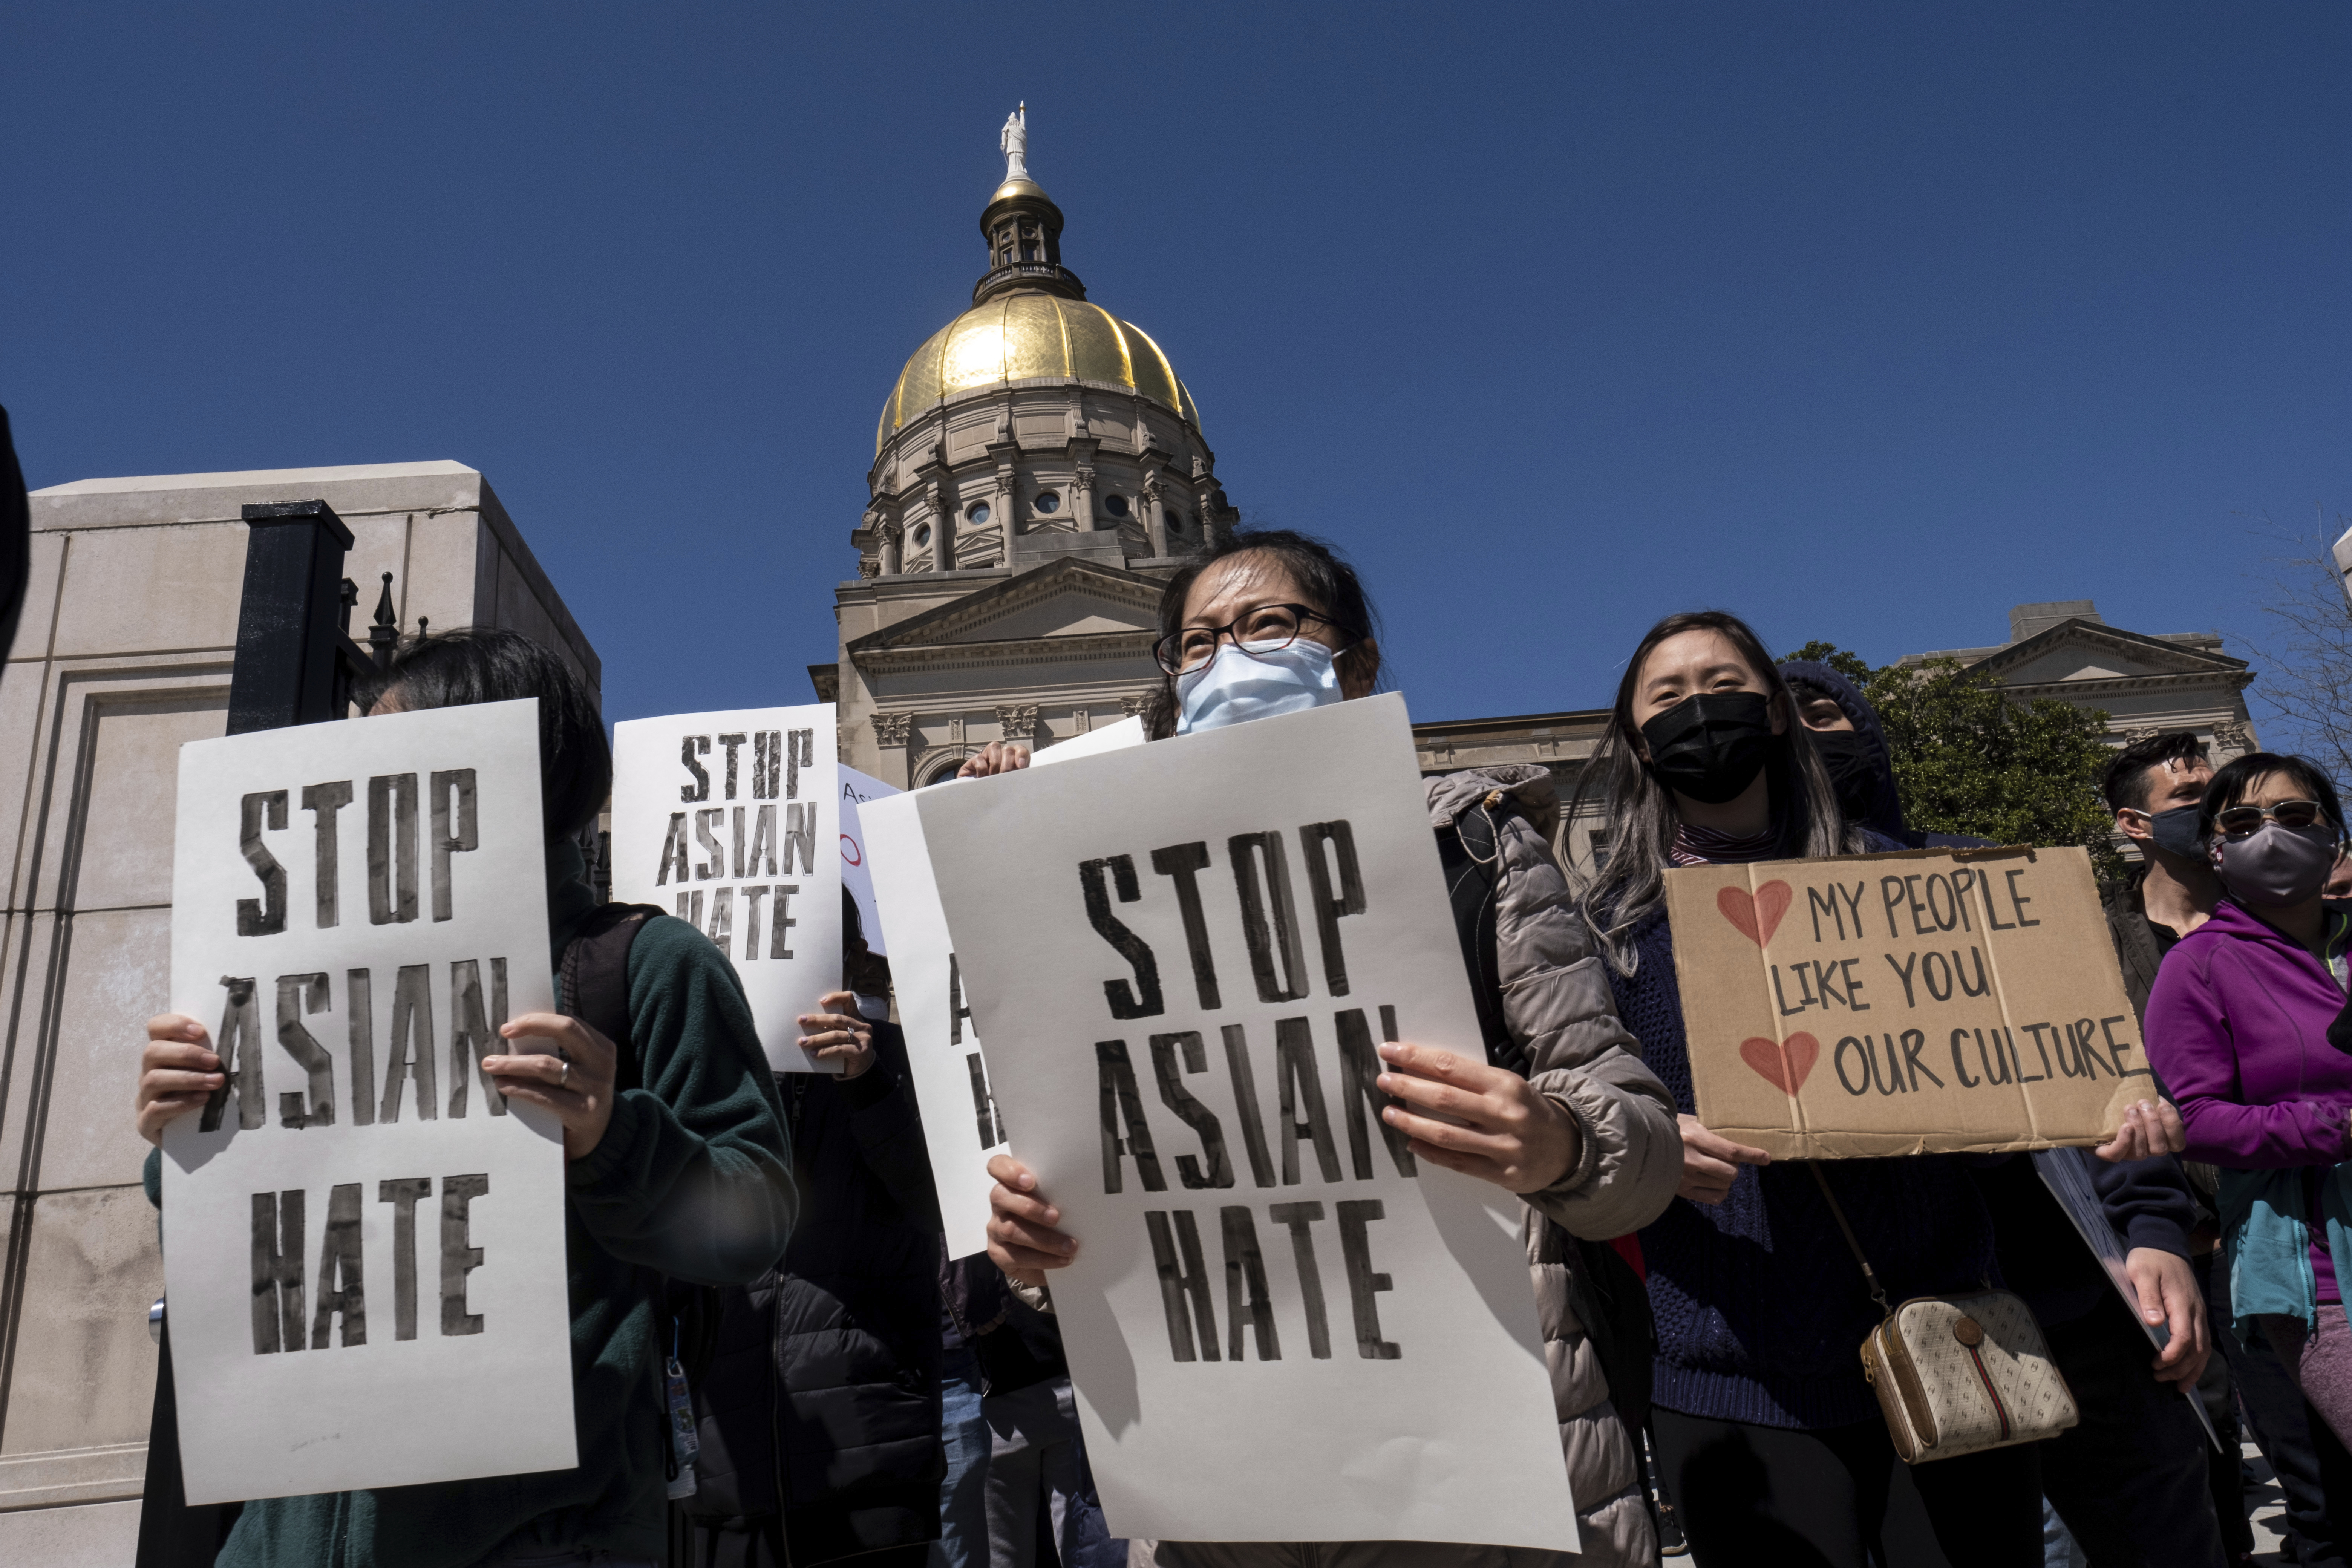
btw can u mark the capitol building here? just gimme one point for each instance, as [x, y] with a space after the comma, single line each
[1039, 472]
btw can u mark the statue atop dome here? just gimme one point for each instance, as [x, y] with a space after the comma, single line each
[1014, 142]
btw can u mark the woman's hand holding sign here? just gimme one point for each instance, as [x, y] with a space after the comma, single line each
[177, 1072]
[575, 1082]
[2149, 1128]
[1481, 1120]
[1711, 1162]
[1022, 1239]
[996, 757]
[838, 1034]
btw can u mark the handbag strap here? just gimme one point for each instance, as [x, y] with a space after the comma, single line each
[1869, 1276]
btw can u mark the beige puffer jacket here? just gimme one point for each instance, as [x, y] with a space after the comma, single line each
[1557, 1006]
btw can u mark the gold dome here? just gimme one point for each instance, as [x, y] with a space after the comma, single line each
[1025, 336]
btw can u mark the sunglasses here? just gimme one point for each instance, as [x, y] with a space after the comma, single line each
[2238, 821]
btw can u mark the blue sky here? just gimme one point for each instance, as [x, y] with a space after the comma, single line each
[1865, 322]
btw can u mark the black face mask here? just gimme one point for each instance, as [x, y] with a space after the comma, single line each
[1852, 765]
[1712, 746]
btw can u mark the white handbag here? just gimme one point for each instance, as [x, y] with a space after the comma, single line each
[1961, 1373]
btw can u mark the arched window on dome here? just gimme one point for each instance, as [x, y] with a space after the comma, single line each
[1006, 234]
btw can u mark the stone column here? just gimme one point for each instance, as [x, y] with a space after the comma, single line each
[891, 735]
[1155, 511]
[894, 559]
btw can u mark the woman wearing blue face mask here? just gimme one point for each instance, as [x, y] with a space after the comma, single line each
[1560, 1112]
[2249, 1026]
[1770, 1442]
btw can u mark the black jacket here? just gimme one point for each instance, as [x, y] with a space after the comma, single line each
[825, 1382]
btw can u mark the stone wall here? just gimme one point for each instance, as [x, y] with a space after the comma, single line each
[124, 654]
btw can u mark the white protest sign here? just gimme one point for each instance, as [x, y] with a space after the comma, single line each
[944, 1066]
[856, 868]
[377, 890]
[1281, 1326]
[1128, 731]
[947, 1070]
[729, 820]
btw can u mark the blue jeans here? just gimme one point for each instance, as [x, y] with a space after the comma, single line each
[963, 1495]
[1037, 1466]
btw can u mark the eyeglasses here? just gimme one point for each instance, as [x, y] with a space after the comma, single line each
[1271, 627]
[2238, 821]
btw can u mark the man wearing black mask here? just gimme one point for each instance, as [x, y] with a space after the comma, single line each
[2154, 788]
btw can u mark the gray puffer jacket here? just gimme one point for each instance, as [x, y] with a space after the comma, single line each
[1558, 1009]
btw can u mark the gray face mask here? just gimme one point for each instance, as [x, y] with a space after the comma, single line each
[2275, 867]
[2176, 831]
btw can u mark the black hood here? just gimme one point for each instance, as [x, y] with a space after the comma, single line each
[1886, 812]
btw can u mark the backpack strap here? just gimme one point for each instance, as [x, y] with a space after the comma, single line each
[595, 975]
[1470, 853]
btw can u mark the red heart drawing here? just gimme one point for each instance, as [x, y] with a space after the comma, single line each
[1757, 918]
[1784, 1063]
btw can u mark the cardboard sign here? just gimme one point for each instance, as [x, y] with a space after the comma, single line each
[856, 867]
[364, 1240]
[1281, 1325]
[947, 1069]
[730, 821]
[1933, 1001]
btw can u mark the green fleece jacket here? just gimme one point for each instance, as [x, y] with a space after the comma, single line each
[692, 1179]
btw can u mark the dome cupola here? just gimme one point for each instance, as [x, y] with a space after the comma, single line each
[1036, 422]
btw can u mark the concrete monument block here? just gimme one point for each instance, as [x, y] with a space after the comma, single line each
[84, 1373]
[103, 1532]
[142, 590]
[34, 620]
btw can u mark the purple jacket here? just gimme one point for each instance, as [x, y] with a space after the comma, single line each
[2237, 1025]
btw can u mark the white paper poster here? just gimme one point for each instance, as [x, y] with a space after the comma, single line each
[363, 1242]
[944, 1064]
[1116, 737]
[857, 873]
[728, 821]
[949, 1072]
[1281, 1326]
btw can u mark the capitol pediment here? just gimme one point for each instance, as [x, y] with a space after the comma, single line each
[2076, 651]
[1070, 604]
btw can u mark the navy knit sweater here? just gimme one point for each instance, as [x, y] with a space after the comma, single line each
[1760, 1308]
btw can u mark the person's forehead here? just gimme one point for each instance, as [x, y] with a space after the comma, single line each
[2269, 787]
[1240, 581]
[1701, 648]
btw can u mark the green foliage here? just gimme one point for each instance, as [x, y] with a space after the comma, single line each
[1968, 760]
[1852, 666]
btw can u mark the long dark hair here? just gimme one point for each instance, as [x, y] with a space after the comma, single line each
[1640, 811]
[1321, 572]
[488, 663]
[2235, 777]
